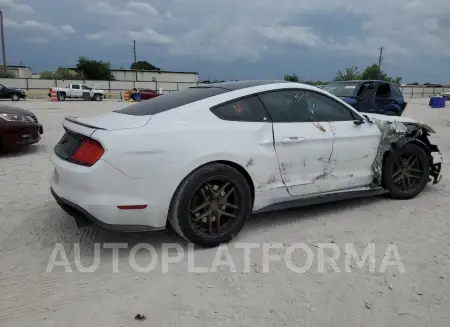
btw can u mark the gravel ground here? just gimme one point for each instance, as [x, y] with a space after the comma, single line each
[31, 224]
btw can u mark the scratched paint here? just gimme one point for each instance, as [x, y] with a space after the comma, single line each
[319, 127]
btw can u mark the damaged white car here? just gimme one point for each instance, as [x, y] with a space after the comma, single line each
[202, 160]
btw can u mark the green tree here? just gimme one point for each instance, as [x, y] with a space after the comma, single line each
[349, 74]
[96, 70]
[143, 65]
[61, 74]
[373, 72]
[46, 75]
[292, 78]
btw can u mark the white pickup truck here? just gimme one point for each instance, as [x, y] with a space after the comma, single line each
[75, 91]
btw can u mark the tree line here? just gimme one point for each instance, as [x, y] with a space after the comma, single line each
[90, 69]
[371, 72]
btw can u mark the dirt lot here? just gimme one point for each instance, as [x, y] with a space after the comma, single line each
[31, 224]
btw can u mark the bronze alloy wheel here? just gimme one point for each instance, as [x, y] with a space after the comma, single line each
[407, 172]
[214, 207]
[211, 205]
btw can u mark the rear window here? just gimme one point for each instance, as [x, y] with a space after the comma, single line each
[170, 101]
[395, 91]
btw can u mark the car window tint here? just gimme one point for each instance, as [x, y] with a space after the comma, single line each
[383, 91]
[75, 87]
[287, 106]
[395, 92]
[170, 101]
[327, 109]
[247, 109]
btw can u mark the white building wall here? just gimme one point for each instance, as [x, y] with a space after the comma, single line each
[127, 75]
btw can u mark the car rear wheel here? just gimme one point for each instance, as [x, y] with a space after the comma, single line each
[211, 205]
[406, 171]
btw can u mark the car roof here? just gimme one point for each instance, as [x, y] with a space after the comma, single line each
[363, 81]
[239, 85]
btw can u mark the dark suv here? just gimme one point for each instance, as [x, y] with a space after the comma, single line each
[378, 97]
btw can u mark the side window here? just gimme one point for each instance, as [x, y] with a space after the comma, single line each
[304, 106]
[395, 92]
[383, 91]
[246, 110]
[84, 87]
[288, 106]
[75, 87]
[326, 109]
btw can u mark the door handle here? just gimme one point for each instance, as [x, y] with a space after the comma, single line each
[292, 139]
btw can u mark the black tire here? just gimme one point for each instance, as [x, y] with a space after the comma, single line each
[181, 219]
[98, 97]
[398, 185]
[62, 96]
[15, 97]
[391, 113]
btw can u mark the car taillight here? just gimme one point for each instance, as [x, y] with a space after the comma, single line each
[88, 153]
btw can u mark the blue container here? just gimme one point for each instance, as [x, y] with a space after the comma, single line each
[437, 102]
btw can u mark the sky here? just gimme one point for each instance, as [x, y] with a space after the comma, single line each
[230, 39]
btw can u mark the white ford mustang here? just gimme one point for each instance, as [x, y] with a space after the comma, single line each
[205, 158]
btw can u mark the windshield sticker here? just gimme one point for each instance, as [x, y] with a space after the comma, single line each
[349, 87]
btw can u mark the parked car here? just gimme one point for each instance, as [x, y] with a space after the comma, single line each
[203, 159]
[75, 91]
[370, 96]
[11, 93]
[18, 127]
[147, 94]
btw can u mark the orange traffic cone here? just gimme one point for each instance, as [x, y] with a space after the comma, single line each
[53, 97]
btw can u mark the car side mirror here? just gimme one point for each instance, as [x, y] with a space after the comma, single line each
[358, 122]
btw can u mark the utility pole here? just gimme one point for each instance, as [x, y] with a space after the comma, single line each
[3, 44]
[380, 60]
[134, 55]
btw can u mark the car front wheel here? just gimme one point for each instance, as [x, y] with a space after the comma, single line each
[211, 205]
[15, 97]
[406, 171]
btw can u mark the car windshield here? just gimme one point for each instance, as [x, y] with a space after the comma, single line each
[342, 89]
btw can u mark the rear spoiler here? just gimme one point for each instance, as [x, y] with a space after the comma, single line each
[74, 120]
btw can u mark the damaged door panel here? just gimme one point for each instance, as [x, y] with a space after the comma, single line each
[303, 152]
[355, 148]
[303, 148]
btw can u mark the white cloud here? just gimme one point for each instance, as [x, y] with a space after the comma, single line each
[68, 29]
[142, 7]
[228, 30]
[13, 5]
[292, 35]
[149, 36]
[32, 26]
[130, 9]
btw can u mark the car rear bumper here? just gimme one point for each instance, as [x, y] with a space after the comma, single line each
[84, 219]
[93, 194]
